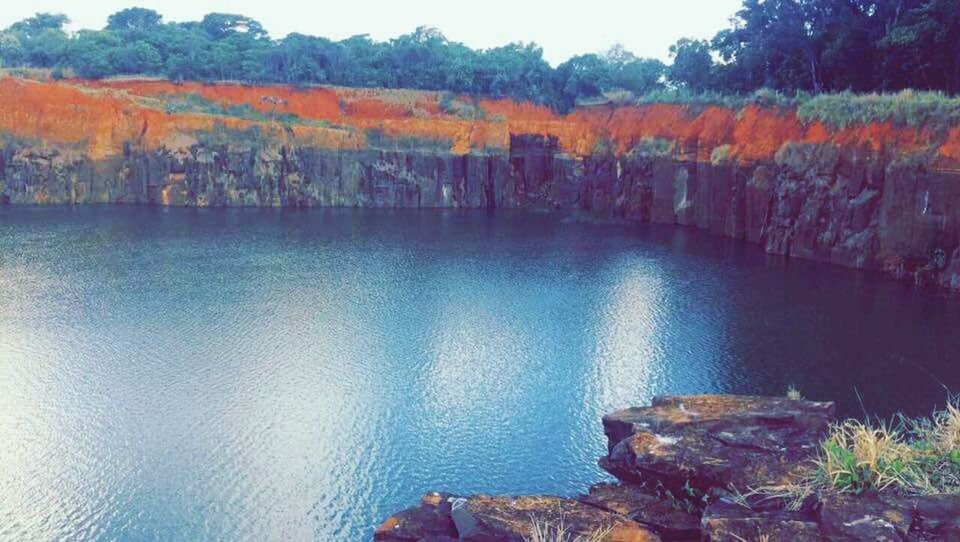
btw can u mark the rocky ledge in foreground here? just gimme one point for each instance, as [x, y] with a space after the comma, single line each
[687, 468]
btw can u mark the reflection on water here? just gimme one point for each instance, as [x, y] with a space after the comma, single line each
[172, 373]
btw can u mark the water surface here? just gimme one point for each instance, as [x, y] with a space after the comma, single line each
[251, 374]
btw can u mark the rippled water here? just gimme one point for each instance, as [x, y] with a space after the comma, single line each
[182, 374]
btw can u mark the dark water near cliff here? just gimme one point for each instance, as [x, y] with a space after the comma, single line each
[179, 374]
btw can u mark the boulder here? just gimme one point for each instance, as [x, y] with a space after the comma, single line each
[430, 521]
[692, 445]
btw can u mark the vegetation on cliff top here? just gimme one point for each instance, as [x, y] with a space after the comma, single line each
[837, 110]
[909, 456]
[812, 46]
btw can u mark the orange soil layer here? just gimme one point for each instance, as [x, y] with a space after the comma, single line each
[101, 116]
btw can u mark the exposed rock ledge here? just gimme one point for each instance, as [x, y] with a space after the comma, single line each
[684, 464]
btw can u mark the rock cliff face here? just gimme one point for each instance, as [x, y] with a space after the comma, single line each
[873, 196]
[687, 470]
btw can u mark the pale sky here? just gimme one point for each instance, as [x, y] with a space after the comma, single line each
[563, 28]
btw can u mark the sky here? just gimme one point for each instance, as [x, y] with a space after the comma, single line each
[563, 28]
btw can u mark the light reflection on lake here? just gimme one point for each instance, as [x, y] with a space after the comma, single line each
[193, 374]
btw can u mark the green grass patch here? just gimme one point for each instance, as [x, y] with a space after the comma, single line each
[193, 103]
[652, 147]
[839, 110]
[908, 108]
[463, 107]
[174, 104]
[762, 97]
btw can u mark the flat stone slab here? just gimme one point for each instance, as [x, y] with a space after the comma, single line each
[666, 518]
[510, 519]
[891, 518]
[691, 445]
[867, 518]
[728, 522]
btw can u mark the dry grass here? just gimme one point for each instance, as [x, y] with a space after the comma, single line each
[937, 445]
[858, 457]
[910, 456]
[543, 530]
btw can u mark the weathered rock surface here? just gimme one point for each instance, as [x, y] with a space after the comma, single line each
[483, 518]
[891, 518]
[686, 464]
[429, 521]
[886, 518]
[692, 445]
[667, 519]
[730, 522]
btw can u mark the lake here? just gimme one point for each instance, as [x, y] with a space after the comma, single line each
[251, 374]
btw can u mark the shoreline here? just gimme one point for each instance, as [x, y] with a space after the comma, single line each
[692, 468]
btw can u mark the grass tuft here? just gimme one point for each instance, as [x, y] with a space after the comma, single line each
[909, 456]
[937, 443]
[542, 530]
[463, 107]
[793, 393]
[652, 147]
[858, 457]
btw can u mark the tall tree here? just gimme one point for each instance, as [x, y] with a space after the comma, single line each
[134, 20]
[692, 64]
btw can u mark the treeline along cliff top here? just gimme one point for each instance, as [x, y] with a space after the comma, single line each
[791, 46]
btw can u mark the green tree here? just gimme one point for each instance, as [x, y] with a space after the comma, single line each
[90, 54]
[638, 75]
[12, 52]
[42, 38]
[583, 76]
[32, 27]
[223, 25]
[134, 20]
[922, 47]
[300, 59]
[517, 71]
[137, 57]
[692, 65]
